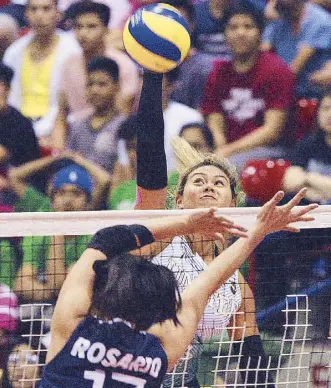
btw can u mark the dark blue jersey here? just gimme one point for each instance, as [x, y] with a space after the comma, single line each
[102, 354]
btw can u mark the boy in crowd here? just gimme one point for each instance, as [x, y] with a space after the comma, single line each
[90, 27]
[32, 200]
[46, 260]
[247, 100]
[95, 137]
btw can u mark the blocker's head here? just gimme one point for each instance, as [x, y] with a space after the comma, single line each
[136, 290]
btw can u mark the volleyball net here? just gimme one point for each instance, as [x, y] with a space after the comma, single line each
[289, 274]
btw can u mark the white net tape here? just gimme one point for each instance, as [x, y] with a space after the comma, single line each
[80, 223]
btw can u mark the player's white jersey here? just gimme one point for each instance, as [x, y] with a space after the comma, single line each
[187, 265]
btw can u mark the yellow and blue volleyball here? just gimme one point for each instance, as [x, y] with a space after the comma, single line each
[157, 37]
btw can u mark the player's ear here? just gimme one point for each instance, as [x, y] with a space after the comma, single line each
[49, 188]
[179, 201]
[59, 16]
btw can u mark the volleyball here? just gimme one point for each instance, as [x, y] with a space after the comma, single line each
[157, 37]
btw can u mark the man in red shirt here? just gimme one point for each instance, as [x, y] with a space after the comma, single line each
[247, 100]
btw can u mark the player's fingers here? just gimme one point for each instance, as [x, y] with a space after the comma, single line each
[212, 211]
[221, 217]
[235, 226]
[305, 209]
[305, 219]
[296, 199]
[239, 227]
[291, 229]
[274, 200]
[269, 207]
[235, 232]
[220, 237]
[225, 220]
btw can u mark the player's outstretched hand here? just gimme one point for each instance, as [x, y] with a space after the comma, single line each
[211, 225]
[272, 218]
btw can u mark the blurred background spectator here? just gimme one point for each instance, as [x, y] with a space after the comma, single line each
[301, 36]
[8, 319]
[311, 159]
[46, 260]
[22, 361]
[211, 16]
[37, 59]
[193, 72]
[175, 114]
[90, 20]
[9, 31]
[95, 137]
[95, 181]
[18, 143]
[247, 100]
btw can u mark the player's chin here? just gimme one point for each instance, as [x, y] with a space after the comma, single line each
[207, 202]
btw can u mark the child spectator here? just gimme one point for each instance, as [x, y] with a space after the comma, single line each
[176, 115]
[302, 38]
[37, 59]
[18, 143]
[46, 260]
[311, 159]
[90, 27]
[32, 200]
[95, 137]
[247, 99]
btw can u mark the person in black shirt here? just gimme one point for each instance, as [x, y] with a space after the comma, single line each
[18, 143]
[311, 159]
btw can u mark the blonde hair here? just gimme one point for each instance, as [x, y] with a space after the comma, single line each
[189, 159]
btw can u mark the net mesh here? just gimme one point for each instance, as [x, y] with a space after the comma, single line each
[289, 274]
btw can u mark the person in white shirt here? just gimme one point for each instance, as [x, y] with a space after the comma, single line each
[37, 60]
[175, 114]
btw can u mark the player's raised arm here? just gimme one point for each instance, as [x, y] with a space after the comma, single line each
[151, 159]
[271, 218]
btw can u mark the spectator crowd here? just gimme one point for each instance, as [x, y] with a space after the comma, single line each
[255, 88]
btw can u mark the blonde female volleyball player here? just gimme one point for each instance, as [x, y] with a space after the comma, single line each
[143, 325]
[205, 181]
